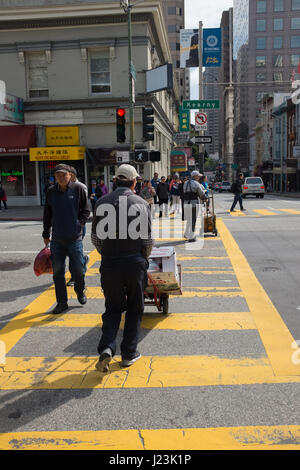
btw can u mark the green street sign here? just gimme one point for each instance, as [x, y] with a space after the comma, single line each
[200, 104]
[184, 120]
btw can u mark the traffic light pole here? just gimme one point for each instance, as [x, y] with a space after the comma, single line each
[131, 98]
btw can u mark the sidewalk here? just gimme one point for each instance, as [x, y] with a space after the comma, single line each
[293, 195]
[22, 213]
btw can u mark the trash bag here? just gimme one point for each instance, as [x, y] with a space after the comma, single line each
[43, 263]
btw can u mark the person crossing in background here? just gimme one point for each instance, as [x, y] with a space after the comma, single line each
[163, 196]
[193, 193]
[236, 188]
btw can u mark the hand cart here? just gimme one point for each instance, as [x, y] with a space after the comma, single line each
[162, 284]
[210, 219]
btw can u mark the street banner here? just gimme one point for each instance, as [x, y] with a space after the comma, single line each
[184, 120]
[189, 48]
[178, 161]
[212, 47]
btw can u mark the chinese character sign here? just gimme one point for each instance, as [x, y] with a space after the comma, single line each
[184, 120]
[212, 47]
[189, 48]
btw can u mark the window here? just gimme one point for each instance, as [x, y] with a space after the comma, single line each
[260, 25]
[278, 24]
[260, 43]
[295, 60]
[172, 28]
[295, 4]
[295, 23]
[100, 72]
[277, 77]
[260, 61]
[37, 75]
[18, 175]
[277, 61]
[277, 42]
[261, 6]
[295, 41]
[172, 11]
[260, 77]
[278, 5]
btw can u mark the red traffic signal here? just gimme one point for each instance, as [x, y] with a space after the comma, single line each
[121, 112]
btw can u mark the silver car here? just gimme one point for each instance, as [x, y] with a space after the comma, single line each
[253, 185]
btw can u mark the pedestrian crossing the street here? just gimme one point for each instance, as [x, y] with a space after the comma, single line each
[221, 295]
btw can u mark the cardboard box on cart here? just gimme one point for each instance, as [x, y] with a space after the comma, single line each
[168, 277]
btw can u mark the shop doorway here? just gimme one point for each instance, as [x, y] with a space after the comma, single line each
[46, 174]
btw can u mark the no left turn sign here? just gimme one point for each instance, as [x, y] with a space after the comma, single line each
[201, 119]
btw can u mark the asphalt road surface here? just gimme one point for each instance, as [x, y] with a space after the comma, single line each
[220, 371]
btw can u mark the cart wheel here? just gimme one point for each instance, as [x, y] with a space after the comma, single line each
[216, 233]
[165, 304]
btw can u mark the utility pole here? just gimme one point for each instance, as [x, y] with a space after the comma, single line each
[201, 146]
[229, 103]
[127, 6]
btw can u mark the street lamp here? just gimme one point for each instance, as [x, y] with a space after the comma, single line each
[127, 6]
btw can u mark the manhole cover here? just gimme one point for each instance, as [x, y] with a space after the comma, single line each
[13, 265]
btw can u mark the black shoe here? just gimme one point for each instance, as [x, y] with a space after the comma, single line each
[82, 298]
[70, 282]
[128, 361]
[60, 308]
[243, 209]
[104, 360]
[232, 210]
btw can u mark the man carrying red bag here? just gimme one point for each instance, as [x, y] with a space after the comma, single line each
[66, 212]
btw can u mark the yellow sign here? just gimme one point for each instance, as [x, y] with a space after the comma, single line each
[42, 154]
[62, 136]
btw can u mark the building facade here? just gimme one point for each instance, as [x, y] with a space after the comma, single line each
[174, 11]
[211, 91]
[68, 60]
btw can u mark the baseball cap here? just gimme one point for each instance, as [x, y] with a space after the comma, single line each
[63, 168]
[195, 173]
[126, 172]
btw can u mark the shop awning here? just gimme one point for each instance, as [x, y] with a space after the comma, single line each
[17, 139]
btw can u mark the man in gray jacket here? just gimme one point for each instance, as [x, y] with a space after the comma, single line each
[193, 192]
[121, 232]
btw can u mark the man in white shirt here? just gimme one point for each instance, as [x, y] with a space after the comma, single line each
[193, 192]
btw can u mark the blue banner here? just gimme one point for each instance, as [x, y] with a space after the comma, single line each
[212, 47]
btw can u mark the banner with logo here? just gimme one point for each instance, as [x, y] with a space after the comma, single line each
[212, 47]
[189, 48]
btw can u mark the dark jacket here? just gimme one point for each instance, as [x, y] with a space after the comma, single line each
[162, 190]
[116, 246]
[238, 186]
[65, 212]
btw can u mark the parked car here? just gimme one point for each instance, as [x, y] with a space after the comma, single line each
[253, 185]
[225, 186]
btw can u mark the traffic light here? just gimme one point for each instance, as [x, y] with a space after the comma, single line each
[154, 156]
[121, 124]
[148, 120]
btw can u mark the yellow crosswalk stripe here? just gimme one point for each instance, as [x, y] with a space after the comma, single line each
[33, 373]
[264, 212]
[96, 293]
[281, 437]
[237, 213]
[290, 211]
[175, 321]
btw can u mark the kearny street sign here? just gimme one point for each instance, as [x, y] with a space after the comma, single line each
[201, 104]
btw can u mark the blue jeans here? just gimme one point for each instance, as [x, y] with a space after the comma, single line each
[59, 252]
[237, 198]
[123, 284]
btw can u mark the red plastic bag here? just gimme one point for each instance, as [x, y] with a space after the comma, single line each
[43, 263]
